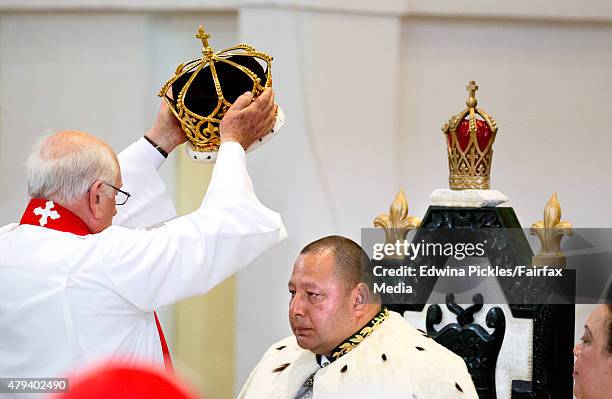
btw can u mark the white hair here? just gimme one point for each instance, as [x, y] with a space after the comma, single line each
[63, 166]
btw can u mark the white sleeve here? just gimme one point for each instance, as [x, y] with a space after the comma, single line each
[149, 203]
[191, 254]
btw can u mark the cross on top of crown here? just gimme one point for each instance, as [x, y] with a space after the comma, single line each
[471, 89]
[202, 35]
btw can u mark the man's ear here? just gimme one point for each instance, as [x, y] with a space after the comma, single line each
[362, 296]
[95, 200]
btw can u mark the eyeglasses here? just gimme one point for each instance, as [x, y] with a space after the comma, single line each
[121, 197]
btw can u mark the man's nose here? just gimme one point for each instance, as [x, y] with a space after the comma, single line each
[577, 349]
[296, 306]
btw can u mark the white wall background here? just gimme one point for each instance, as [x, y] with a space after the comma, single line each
[67, 72]
[366, 88]
[548, 86]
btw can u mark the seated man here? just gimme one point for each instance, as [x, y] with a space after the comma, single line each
[345, 344]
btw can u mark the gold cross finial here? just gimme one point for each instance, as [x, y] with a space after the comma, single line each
[202, 35]
[471, 88]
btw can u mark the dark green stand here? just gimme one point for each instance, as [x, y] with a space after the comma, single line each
[553, 324]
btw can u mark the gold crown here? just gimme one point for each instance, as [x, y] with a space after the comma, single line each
[203, 130]
[470, 145]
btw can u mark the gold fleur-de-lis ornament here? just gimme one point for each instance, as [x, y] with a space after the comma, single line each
[397, 223]
[551, 231]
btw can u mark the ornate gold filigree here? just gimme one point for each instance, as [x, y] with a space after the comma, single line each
[203, 130]
[397, 223]
[350, 343]
[469, 168]
[550, 231]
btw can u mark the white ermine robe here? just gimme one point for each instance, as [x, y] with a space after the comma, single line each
[394, 361]
[66, 300]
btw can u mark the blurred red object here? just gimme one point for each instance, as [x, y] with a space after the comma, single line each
[125, 382]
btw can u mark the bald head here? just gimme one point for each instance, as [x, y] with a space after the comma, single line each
[63, 165]
[352, 264]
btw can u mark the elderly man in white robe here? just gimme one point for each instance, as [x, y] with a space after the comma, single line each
[345, 344]
[75, 289]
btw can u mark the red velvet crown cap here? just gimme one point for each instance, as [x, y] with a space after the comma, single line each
[483, 134]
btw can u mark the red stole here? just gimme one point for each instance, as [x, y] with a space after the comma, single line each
[43, 213]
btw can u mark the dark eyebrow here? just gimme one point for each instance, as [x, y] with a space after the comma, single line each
[311, 285]
[588, 329]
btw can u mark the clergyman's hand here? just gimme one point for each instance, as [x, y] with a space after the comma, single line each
[166, 131]
[247, 120]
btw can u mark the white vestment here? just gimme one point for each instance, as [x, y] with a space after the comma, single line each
[394, 361]
[67, 300]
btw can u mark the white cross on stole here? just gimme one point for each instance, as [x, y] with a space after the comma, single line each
[46, 213]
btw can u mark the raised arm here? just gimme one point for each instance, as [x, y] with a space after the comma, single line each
[149, 203]
[191, 254]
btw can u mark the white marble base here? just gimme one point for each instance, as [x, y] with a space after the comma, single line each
[467, 198]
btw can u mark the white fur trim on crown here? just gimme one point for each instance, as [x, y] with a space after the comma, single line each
[210, 157]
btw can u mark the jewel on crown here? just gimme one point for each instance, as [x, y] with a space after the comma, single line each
[469, 136]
